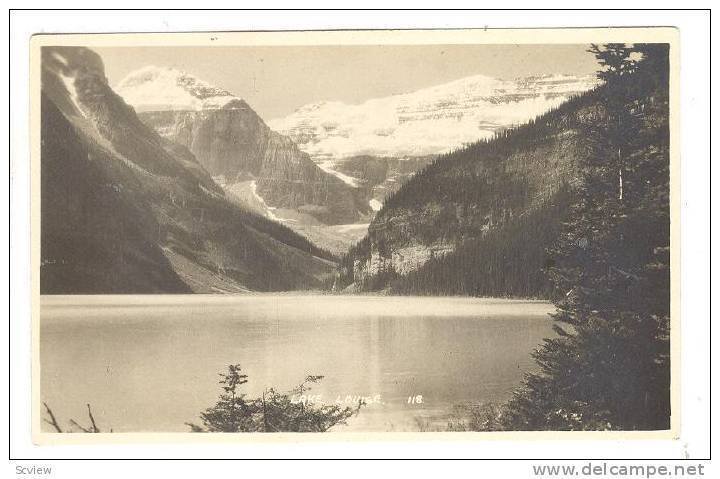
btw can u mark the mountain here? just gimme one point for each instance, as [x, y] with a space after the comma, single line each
[490, 208]
[407, 131]
[125, 210]
[429, 121]
[481, 220]
[330, 166]
[232, 142]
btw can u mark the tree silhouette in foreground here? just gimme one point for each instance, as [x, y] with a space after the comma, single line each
[234, 412]
[271, 412]
[609, 366]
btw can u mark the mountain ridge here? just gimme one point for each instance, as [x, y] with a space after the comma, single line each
[231, 140]
[125, 210]
[427, 121]
[482, 220]
[157, 88]
[452, 210]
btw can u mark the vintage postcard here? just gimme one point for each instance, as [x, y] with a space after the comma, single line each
[462, 233]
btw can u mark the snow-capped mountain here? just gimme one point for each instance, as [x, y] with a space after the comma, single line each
[230, 140]
[428, 121]
[161, 89]
[126, 210]
[331, 163]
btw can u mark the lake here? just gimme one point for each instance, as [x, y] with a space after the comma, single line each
[151, 363]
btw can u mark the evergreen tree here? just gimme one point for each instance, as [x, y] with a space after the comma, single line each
[615, 59]
[272, 412]
[609, 366]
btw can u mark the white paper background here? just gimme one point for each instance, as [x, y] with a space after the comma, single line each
[695, 108]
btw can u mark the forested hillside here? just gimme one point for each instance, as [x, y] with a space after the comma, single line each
[477, 220]
[508, 261]
[574, 206]
[482, 220]
[609, 366]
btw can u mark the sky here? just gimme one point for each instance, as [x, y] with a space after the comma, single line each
[276, 80]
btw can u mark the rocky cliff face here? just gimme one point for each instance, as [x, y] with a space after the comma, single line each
[231, 141]
[125, 210]
[381, 175]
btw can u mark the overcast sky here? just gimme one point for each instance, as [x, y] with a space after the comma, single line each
[277, 80]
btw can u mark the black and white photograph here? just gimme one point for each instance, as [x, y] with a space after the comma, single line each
[359, 243]
[354, 238]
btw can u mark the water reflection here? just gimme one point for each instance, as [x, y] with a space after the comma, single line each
[151, 363]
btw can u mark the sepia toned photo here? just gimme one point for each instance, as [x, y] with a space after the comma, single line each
[355, 232]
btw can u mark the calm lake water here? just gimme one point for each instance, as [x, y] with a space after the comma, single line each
[151, 363]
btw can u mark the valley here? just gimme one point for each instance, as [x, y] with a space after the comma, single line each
[325, 170]
[386, 186]
[125, 210]
[481, 254]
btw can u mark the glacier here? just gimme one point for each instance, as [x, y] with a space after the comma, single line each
[153, 88]
[429, 121]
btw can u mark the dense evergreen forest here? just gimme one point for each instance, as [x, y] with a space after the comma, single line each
[575, 207]
[509, 261]
[609, 366]
[498, 203]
